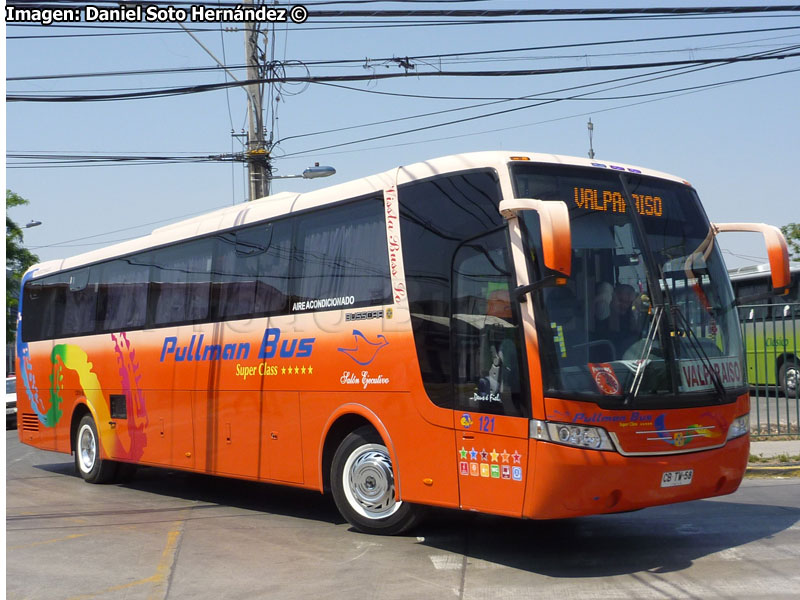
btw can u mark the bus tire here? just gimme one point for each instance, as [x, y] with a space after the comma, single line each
[788, 376]
[363, 486]
[88, 463]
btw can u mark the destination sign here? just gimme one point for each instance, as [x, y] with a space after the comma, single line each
[612, 201]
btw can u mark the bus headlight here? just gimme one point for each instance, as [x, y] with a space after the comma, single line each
[580, 436]
[739, 427]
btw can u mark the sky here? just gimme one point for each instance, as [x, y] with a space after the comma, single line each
[731, 129]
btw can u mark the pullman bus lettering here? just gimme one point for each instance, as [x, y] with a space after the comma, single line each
[271, 345]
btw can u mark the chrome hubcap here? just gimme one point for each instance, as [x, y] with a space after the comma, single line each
[369, 482]
[791, 380]
[87, 447]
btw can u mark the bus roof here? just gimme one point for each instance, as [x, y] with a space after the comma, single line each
[756, 271]
[288, 202]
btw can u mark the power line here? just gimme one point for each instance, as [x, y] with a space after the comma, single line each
[453, 122]
[545, 96]
[176, 91]
[396, 144]
[410, 58]
[72, 160]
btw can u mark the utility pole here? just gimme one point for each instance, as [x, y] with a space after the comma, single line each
[257, 152]
[590, 126]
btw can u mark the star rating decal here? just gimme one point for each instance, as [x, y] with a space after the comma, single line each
[297, 370]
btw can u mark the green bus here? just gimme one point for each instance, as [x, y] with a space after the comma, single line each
[771, 327]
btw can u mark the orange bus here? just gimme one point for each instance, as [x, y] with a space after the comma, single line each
[521, 334]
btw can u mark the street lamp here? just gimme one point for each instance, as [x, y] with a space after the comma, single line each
[28, 225]
[314, 172]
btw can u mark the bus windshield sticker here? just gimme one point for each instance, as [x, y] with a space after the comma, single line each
[605, 378]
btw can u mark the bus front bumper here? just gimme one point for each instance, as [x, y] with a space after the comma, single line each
[570, 482]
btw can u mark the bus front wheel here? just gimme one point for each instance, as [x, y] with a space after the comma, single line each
[788, 376]
[87, 454]
[363, 486]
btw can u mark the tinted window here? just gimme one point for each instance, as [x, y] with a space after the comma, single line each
[122, 295]
[252, 270]
[80, 302]
[757, 308]
[39, 303]
[181, 282]
[341, 258]
[436, 216]
[486, 340]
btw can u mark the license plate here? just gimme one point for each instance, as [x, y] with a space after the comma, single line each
[675, 478]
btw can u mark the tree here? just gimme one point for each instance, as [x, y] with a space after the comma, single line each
[18, 259]
[792, 234]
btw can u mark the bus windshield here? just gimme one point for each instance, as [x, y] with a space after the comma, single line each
[647, 315]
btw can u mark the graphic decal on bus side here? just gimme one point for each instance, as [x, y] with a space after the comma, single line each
[130, 378]
[660, 432]
[491, 465]
[47, 417]
[395, 248]
[683, 437]
[71, 357]
[364, 351]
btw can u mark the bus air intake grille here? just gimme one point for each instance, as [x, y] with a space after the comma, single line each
[30, 422]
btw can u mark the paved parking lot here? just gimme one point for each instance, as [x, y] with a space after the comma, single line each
[176, 535]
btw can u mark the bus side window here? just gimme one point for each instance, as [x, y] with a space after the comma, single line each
[80, 303]
[251, 271]
[486, 345]
[181, 283]
[122, 297]
[341, 253]
[436, 216]
[40, 300]
[756, 309]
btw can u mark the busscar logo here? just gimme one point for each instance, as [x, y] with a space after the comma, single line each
[364, 315]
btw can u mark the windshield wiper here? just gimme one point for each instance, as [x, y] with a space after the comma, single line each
[698, 348]
[644, 357]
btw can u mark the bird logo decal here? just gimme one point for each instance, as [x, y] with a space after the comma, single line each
[364, 351]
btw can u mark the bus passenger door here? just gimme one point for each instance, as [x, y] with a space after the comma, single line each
[491, 429]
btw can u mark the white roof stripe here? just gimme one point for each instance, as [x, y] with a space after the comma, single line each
[288, 202]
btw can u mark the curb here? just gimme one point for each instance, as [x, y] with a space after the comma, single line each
[792, 470]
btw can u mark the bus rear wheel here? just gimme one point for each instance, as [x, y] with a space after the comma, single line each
[88, 463]
[363, 486]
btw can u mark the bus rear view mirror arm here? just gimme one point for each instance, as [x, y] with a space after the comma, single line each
[554, 228]
[777, 250]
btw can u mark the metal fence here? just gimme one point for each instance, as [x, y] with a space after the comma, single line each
[772, 350]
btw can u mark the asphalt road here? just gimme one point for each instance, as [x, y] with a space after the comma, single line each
[175, 535]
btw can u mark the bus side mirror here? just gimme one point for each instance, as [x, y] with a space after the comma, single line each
[554, 226]
[777, 250]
